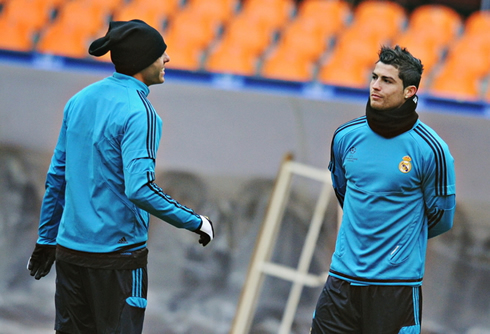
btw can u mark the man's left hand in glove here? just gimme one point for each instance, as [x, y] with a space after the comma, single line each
[41, 260]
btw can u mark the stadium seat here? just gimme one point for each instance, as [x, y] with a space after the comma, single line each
[475, 36]
[14, 37]
[445, 23]
[343, 76]
[82, 16]
[455, 85]
[430, 44]
[53, 3]
[28, 14]
[297, 39]
[192, 29]
[469, 56]
[166, 8]
[213, 11]
[353, 45]
[273, 14]
[384, 19]
[231, 58]
[487, 95]
[345, 70]
[137, 10]
[188, 35]
[324, 28]
[333, 10]
[477, 23]
[328, 17]
[287, 65]
[183, 58]
[60, 40]
[250, 34]
[422, 48]
[382, 9]
[351, 60]
[107, 6]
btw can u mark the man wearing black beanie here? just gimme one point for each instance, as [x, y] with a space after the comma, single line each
[100, 190]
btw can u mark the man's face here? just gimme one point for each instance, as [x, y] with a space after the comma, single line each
[386, 88]
[154, 74]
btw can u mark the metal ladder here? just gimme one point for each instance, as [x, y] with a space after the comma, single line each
[260, 264]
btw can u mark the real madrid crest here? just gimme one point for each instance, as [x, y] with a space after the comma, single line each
[405, 165]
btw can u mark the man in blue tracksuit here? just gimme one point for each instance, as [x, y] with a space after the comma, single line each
[100, 190]
[394, 178]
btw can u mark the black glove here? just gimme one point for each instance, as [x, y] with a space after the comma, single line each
[41, 260]
[205, 230]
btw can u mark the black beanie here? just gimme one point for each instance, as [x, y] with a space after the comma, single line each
[134, 45]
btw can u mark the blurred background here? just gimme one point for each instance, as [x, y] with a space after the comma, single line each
[248, 82]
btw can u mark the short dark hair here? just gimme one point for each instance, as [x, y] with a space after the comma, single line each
[409, 68]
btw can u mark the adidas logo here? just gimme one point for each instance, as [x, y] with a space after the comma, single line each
[122, 241]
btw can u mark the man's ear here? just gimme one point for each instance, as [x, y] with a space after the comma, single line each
[409, 91]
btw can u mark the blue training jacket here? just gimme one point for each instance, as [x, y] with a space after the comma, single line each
[395, 193]
[100, 185]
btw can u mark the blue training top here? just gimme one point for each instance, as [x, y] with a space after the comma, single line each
[395, 193]
[100, 184]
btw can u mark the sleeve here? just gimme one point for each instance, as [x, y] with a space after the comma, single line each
[440, 191]
[139, 149]
[337, 170]
[54, 196]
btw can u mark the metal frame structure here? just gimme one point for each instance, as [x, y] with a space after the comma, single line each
[260, 264]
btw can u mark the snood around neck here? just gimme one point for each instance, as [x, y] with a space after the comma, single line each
[394, 122]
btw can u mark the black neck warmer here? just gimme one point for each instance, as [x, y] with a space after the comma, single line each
[394, 122]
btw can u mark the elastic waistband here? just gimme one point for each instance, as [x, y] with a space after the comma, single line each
[365, 281]
[116, 260]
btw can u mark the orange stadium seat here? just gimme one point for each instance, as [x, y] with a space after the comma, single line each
[470, 57]
[347, 76]
[345, 70]
[455, 85]
[445, 23]
[191, 29]
[213, 11]
[14, 37]
[354, 46]
[273, 14]
[487, 95]
[187, 36]
[53, 3]
[478, 23]
[136, 10]
[475, 36]
[384, 19]
[333, 9]
[287, 66]
[295, 39]
[60, 40]
[183, 58]
[250, 35]
[30, 14]
[424, 49]
[389, 9]
[326, 29]
[82, 16]
[107, 6]
[231, 57]
[326, 17]
[166, 8]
